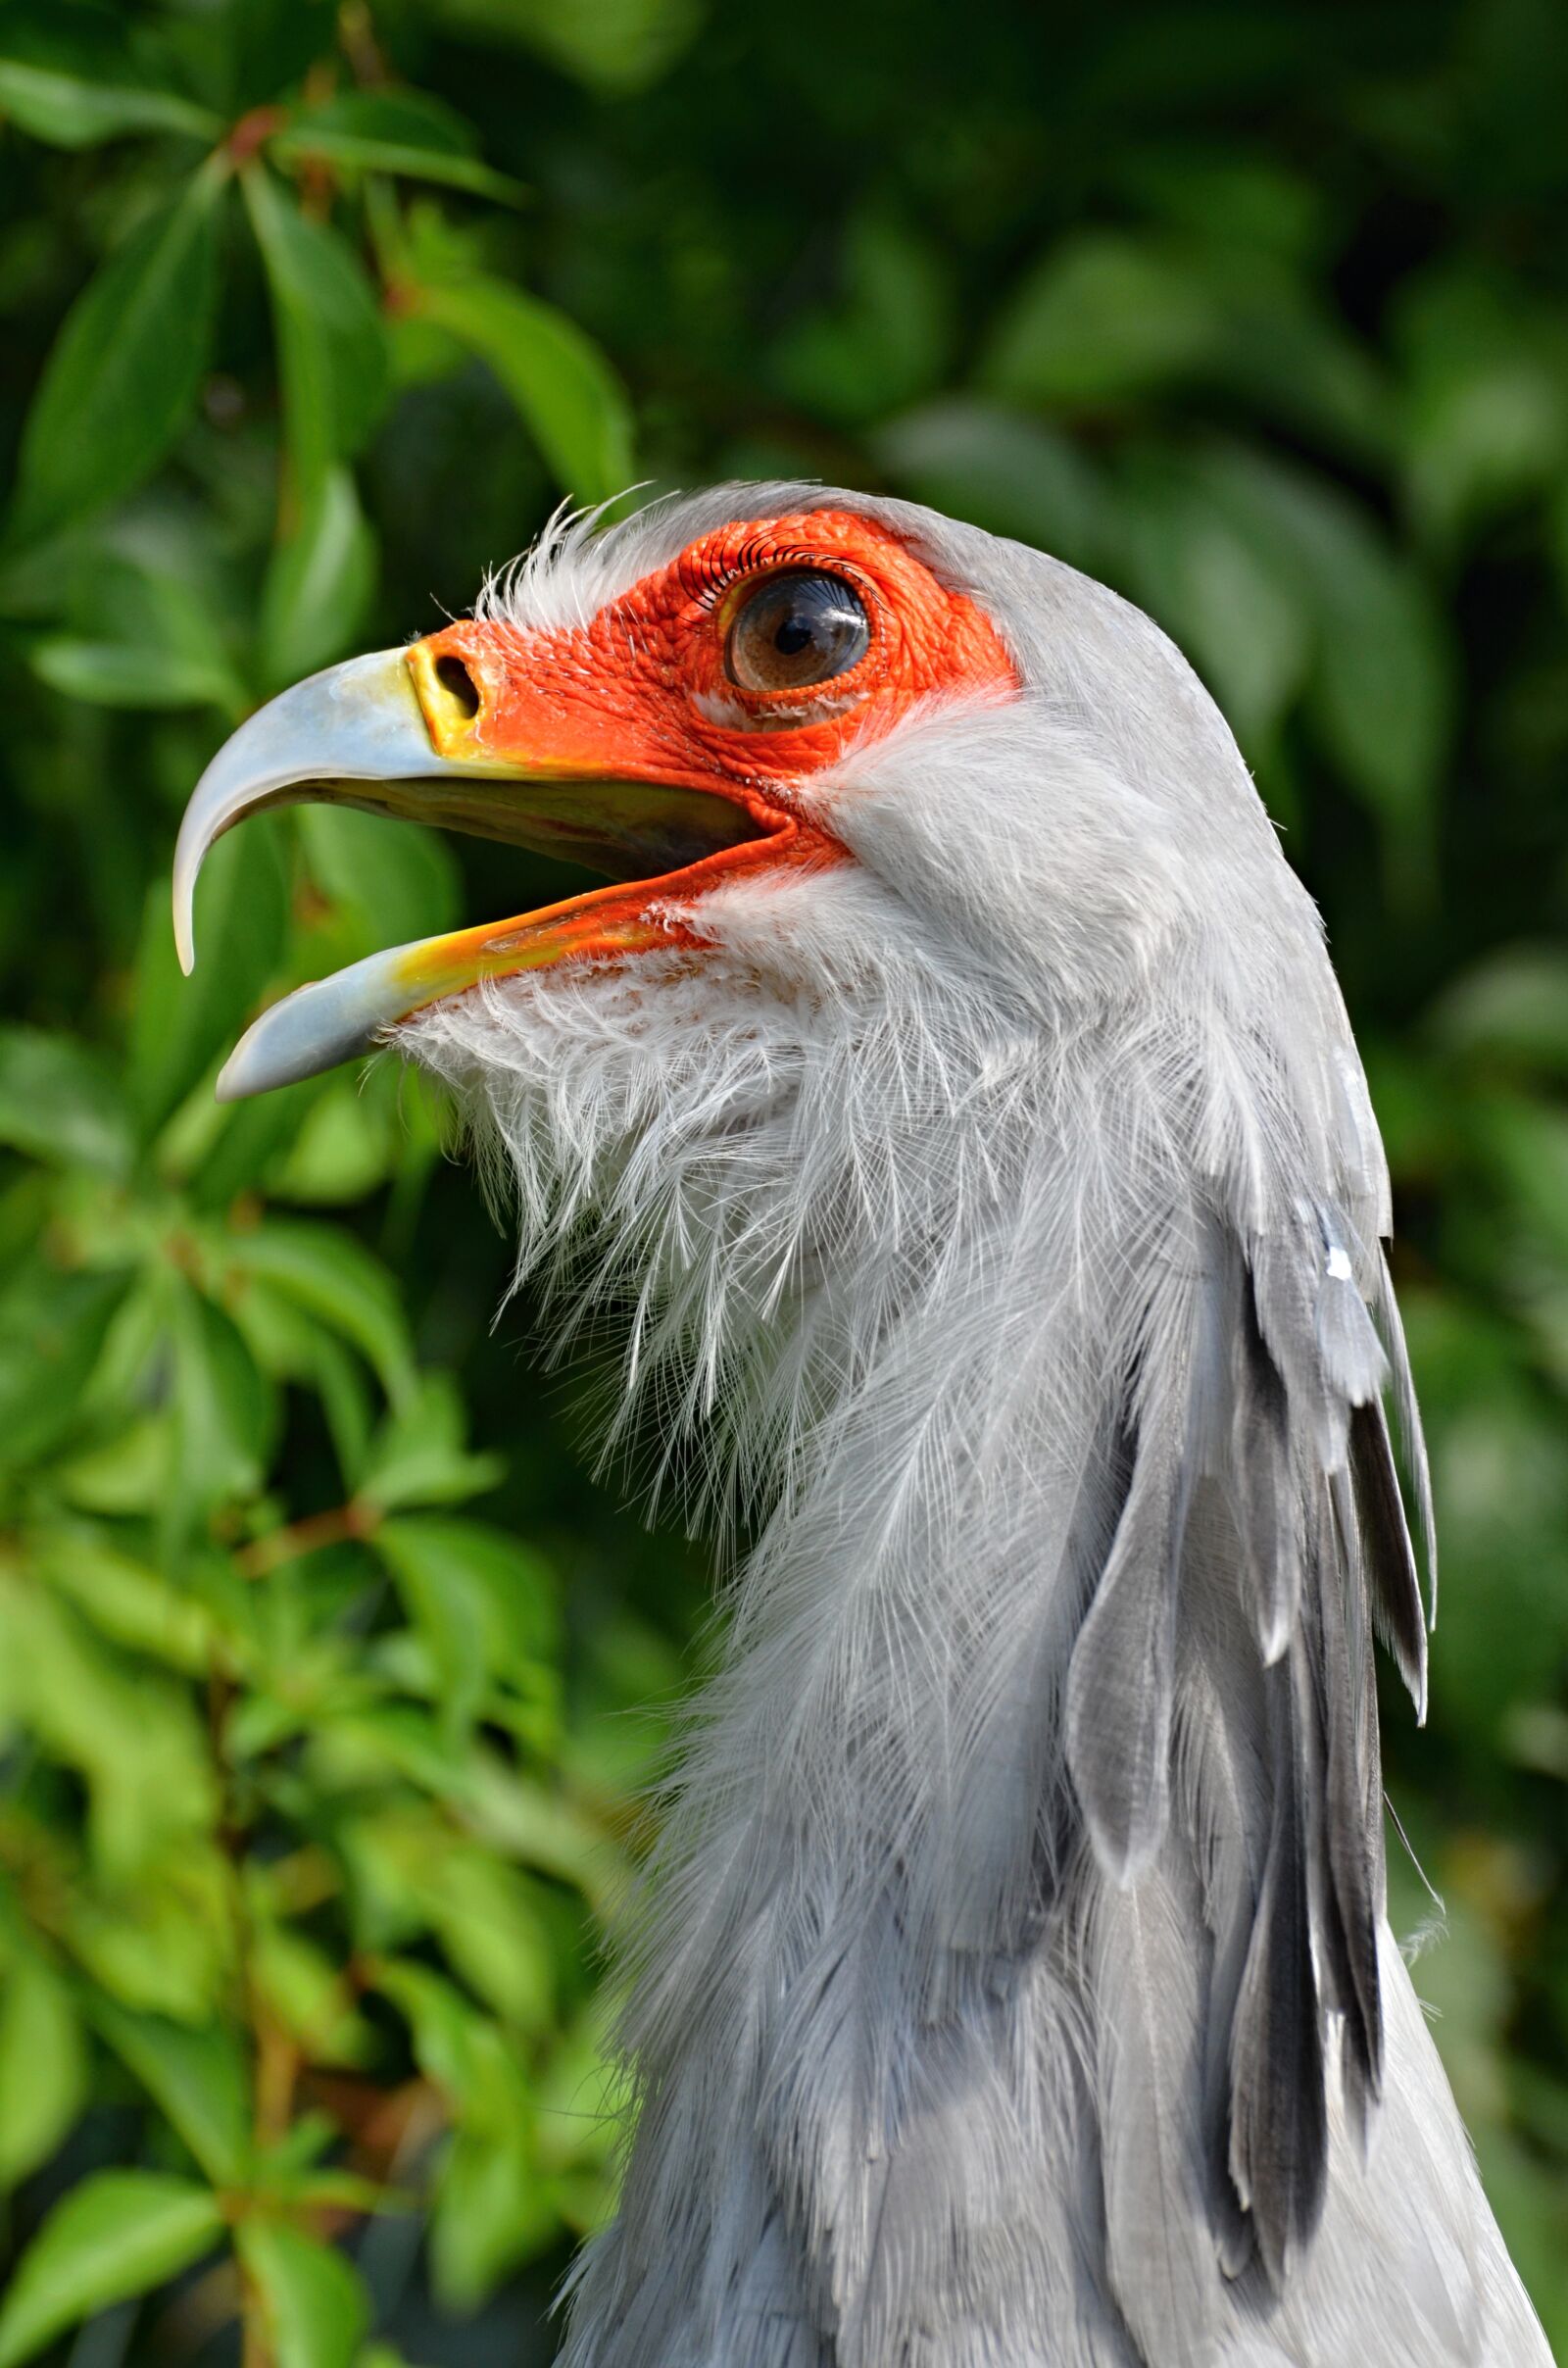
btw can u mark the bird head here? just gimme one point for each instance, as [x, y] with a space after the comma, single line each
[725, 698]
[909, 832]
[669, 724]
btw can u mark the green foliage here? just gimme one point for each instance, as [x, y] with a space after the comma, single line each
[76, 74]
[290, 1865]
[312, 1795]
[400, 132]
[124, 376]
[557, 376]
[114, 2236]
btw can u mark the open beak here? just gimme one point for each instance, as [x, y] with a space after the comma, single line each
[411, 733]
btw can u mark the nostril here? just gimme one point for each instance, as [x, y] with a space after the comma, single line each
[458, 683]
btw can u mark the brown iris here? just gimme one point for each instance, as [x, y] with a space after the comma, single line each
[799, 628]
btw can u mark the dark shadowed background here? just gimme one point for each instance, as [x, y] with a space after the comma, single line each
[326, 1672]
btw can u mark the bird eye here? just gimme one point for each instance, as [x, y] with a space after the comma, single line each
[797, 628]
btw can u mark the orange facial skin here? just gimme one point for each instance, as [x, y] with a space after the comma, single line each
[641, 693]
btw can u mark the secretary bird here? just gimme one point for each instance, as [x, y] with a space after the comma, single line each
[951, 1090]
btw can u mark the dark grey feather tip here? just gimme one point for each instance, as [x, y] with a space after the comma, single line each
[1396, 1583]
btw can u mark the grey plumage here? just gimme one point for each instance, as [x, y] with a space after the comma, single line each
[1278, 2114]
[1121, 1680]
[1011, 1984]
[1391, 1557]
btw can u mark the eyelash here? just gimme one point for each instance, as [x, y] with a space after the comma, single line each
[755, 557]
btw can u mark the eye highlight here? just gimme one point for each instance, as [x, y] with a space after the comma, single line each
[797, 628]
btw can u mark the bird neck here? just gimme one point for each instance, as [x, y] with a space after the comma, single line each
[901, 1631]
[867, 1834]
[884, 1734]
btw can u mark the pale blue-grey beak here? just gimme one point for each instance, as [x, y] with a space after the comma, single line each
[402, 732]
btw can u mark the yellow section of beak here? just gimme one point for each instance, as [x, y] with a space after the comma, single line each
[450, 700]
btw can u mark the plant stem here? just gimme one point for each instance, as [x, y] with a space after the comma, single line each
[355, 1519]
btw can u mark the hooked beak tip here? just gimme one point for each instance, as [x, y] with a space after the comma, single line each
[359, 722]
[184, 931]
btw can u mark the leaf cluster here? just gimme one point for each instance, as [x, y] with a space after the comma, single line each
[295, 1886]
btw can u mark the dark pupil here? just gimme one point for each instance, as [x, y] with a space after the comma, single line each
[797, 629]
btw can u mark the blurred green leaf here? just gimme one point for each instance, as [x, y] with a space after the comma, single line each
[1526, 1143]
[197, 2078]
[1485, 396]
[251, 1138]
[485, 1915]
[142, 630]
[180, 1025]
[130, 1733]
[449, 2033]
[397, 132]
[60, 1101]
[319, 583]
[883, 341]
[344, 1148]
[1381, 689]
[1289, 356]
[124, 1473]
[332, 1276]
[346, 1407]
[617, 45]
[372, 1739]
[124, 373]
[492, 2212]
[492, 2208]
[313, 2303]
[143, 619]
[125, 1600]
[286, 1340]
[309, 1997]
[557, 376]
[113, 674]
[1105, 316]
[396, 880]
[71, 74]
[483, 1602]
[1116, 318]
[223, 1411]
[1513, 1005]
[413, 1873]
[420, 1457]
[1383, 693]
[542, 1829]
[332, 350]
[52, 1328]
[1228, 594]
[1227, 193]
[345, 2191]
[117, 2234]
[163, 1944]
[266, 46]
[43, 2068]
[999, 469]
